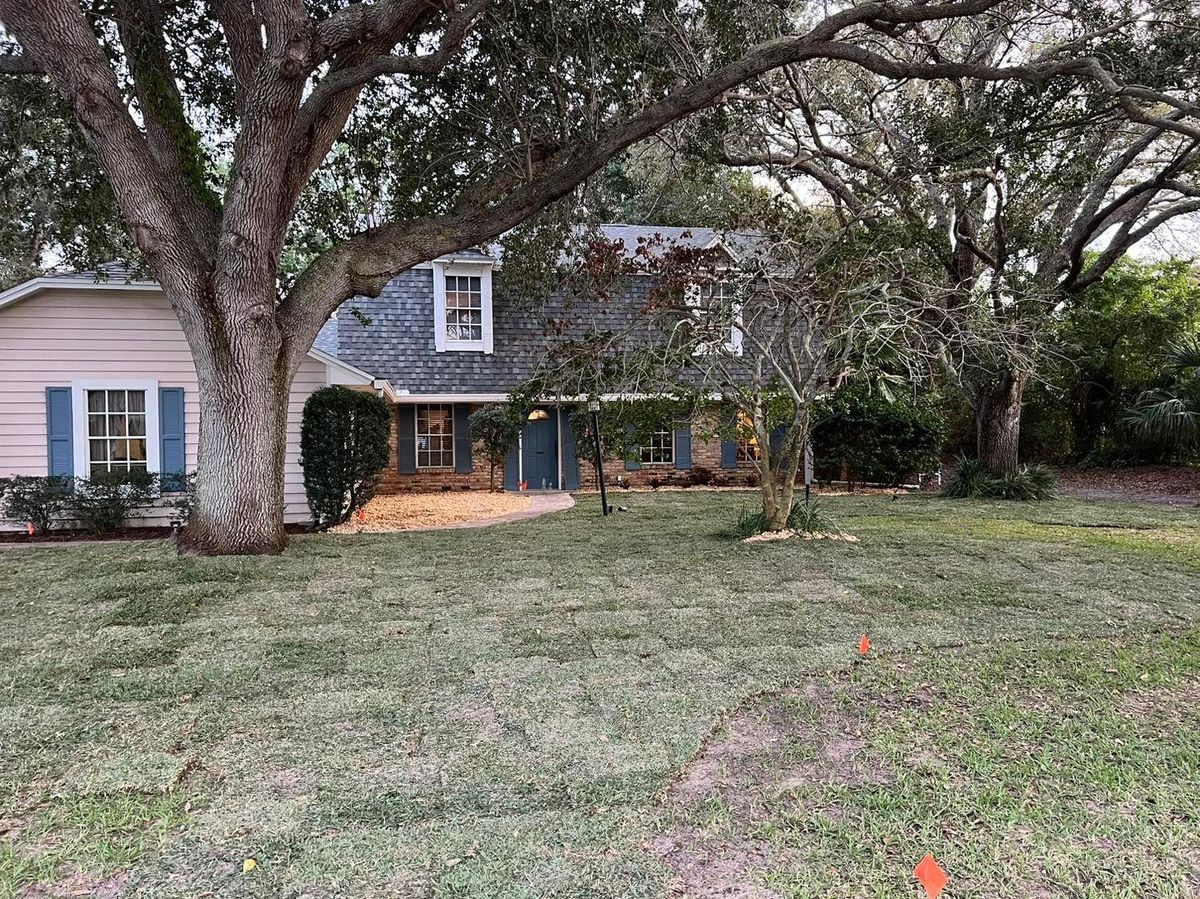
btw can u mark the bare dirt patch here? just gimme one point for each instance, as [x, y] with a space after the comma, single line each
[770, 747]
[1166, 703]
[77, 884]
[406, 511]
[1164, 484]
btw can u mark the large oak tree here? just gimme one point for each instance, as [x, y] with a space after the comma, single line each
[400, 130]
[1023, 194]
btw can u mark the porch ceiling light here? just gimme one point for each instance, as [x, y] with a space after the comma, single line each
[539, 415]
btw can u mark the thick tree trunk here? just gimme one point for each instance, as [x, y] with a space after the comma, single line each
[998, 422]
[243, 386]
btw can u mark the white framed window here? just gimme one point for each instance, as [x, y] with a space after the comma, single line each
[462, 301]
[717, 315]
[435, 436]
[659, 448]
[115, 426]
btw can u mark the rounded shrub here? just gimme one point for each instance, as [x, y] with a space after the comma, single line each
[874, 439]
[344, 446]
[971, 481]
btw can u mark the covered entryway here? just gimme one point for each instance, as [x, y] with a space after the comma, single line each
[545, 458]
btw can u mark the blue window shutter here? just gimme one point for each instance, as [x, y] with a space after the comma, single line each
[462, 439]
[60, 449]
[729, 454]
[777, 441]
[406, 439]
[683, 446]
[729, 448]
[510, 469]
[570, 452]
[172, 458]
[632, 462]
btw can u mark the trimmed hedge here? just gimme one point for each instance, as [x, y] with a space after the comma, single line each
[874, 439]
[344, 446]
[100, 504]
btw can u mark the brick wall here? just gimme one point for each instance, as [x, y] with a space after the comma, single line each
[431, 480]
[706, 456]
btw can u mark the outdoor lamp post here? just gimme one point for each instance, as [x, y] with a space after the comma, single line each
[594, 408]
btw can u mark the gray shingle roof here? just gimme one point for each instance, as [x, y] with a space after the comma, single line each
[108, 272]
[327, 339]
[392, 337]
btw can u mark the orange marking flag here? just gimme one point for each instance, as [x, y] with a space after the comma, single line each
[864, 645]
[931, 876]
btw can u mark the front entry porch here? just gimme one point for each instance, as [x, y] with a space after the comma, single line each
[545, 457]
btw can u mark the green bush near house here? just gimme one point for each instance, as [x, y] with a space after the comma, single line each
[41, 502]
[875, 439]
[496, 429]
[344, 445]
[102, 503]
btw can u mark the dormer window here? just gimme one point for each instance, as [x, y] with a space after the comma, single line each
[464, 307]
[717, 316]
[462, 300]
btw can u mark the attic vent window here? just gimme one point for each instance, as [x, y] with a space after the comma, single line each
[462, 297]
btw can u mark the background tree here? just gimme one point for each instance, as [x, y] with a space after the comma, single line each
[496, 428]
[1103, 350]
[344, 446]
[1168, 417]
[385, 135]
[59, 209]
[1022, 194]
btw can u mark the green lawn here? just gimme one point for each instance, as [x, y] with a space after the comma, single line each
[507, 712]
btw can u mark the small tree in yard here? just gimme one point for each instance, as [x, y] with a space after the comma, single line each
[343, 448]
[799, 317]
[497, 429]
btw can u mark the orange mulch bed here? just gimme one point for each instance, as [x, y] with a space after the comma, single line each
[405, 511]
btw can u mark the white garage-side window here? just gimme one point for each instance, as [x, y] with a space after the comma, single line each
[116, 426]
[116, 430]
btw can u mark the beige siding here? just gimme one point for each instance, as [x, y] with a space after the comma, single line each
[59, 336]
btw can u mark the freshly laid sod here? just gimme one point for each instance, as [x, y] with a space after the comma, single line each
[503, 712]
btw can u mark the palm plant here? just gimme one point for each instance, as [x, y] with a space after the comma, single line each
[1168, 417]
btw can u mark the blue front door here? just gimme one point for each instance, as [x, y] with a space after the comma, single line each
[540, 453]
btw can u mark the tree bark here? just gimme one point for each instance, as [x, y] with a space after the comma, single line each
[778, 491]
[778, 466]
[244, 386]
[998, 422]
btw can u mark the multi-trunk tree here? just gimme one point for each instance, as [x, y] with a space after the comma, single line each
[273, 158]
[1022, 193]
[744, 338]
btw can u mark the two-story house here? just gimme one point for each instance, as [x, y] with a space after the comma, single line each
[95, 373]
